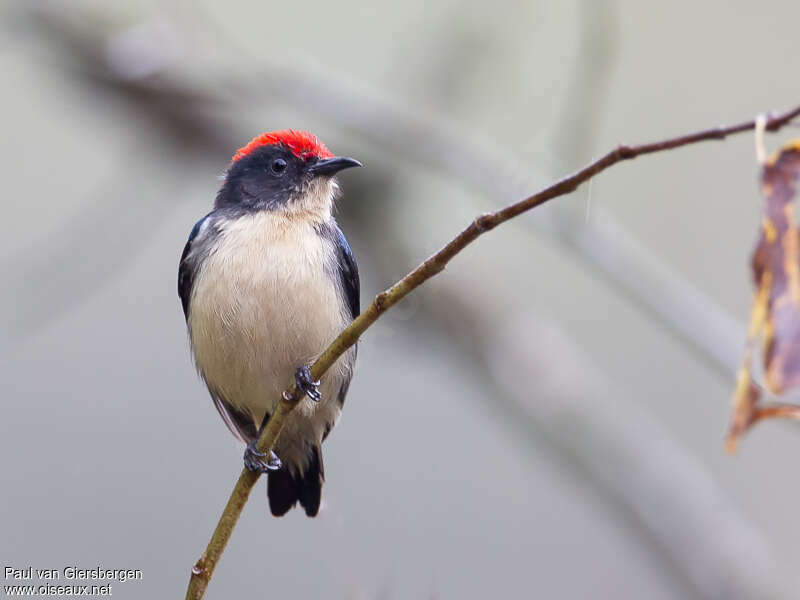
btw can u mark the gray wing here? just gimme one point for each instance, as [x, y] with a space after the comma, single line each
[351, 287]
[347, 272]
[191, 260]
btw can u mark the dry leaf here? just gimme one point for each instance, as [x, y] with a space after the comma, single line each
[775, 317]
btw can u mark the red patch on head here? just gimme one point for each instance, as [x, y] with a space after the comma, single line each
[302, 144]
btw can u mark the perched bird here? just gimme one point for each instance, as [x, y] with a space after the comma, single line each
[267, 280]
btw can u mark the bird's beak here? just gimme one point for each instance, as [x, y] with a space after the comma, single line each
[331, 166]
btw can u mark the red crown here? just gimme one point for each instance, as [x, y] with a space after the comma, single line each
[302, 144]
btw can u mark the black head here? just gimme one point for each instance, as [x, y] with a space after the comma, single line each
[276, 170]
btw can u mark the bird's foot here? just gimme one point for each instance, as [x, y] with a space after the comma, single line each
[302, 379]
[257, 461]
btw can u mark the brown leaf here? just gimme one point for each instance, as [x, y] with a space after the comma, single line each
[745, 411]
[775, 315]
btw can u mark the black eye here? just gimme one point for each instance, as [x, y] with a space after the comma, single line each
[278, 166]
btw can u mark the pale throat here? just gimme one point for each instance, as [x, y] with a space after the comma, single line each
[313, 201]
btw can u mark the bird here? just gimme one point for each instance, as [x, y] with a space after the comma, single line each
[267, 280]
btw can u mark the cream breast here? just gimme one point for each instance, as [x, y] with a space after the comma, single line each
[264, 303]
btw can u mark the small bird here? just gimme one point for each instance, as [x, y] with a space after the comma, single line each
[267, 280]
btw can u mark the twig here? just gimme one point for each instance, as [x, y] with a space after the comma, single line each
[204, 568]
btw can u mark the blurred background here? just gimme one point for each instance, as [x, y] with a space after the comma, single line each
[544, 419]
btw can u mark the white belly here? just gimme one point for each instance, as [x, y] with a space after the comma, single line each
[263, 304]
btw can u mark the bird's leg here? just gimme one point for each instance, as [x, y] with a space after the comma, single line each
[254, 459]
[302, 379]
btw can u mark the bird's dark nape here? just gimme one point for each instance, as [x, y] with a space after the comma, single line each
[284, 489]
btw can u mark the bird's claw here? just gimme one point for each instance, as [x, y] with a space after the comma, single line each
[304, 382]
[257, 461]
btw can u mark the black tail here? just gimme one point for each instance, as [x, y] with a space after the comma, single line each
[285, 489]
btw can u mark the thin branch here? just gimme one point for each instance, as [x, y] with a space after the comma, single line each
[204, 568]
